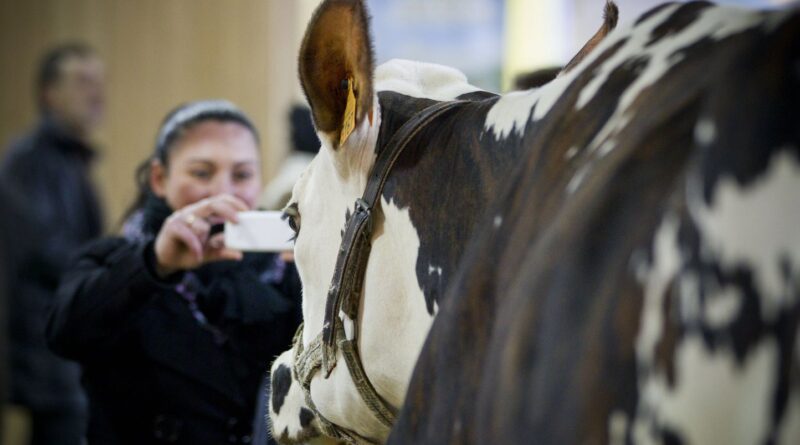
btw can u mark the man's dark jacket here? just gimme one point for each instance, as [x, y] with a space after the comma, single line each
[46, 178]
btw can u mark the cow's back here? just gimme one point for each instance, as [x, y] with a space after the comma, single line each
[643, 284]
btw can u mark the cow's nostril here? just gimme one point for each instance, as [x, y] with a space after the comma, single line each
[306, 416]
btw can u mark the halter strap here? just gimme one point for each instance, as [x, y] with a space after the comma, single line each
[344, 294]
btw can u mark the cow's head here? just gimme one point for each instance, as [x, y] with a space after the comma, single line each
[436, 194]
[337, 75]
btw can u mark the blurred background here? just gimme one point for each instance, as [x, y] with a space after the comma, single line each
[159, 53]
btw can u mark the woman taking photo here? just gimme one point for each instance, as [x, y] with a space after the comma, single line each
[174, 331]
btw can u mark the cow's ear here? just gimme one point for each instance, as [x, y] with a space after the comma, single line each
[610, 17]
[336, 68]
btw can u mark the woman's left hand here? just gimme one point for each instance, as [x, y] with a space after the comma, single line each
[184, 241]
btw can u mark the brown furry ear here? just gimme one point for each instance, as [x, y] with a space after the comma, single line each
[610, 16]
[336, 67]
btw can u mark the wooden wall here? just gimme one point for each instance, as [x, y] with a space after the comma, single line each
[158, 53]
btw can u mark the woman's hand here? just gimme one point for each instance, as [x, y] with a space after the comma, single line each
[184, 242]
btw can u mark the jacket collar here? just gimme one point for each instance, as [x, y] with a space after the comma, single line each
[51, 130]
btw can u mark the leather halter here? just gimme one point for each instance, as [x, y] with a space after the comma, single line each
[344, 294]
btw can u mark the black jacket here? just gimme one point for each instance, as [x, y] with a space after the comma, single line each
[153, 372]
[50, 212]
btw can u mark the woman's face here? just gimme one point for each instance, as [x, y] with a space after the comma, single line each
[209, 158]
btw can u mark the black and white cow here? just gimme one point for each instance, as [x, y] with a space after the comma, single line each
[637, 277]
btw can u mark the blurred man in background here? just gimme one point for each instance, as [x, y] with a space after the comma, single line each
[47, 174]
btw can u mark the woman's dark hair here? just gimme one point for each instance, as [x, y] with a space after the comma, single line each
[174, 125]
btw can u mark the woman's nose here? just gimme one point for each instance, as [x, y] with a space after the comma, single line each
[223, 184]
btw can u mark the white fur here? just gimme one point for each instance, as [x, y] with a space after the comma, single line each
[722, 307]
[423, 80]
[705, 132]
[666, 264]
[756, 226]
[497, 222]
[571, 152]
[617, 427]
[714, 22]
[715, 400]
[510, 113]
[577, 178]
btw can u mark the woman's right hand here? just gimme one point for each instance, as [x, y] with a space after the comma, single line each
[184, 243]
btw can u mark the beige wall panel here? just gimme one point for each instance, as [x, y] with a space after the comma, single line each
[158, 53]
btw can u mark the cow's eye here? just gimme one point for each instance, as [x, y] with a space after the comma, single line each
[292, 217]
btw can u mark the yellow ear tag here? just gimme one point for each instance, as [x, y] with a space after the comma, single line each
[349, 120]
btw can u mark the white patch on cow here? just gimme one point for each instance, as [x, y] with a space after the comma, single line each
[393, 322]
[637, 38]
[722, 307]
[577, 178]
[638, 265]
[514, 110]
[347, 323]
[714, 22]
[756, 227]
[434, 270]
[714, 400]
[666, 264]
[423, 80]
[606, 147]
[734, 21]
[705, 131]
[689, 295]
[617, 426]
[396, 249]
[457, 426]
[511, 112]
[571, 152]
[497, 221]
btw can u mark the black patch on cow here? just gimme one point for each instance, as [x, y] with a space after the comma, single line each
[306, 416]
[347, 215]
[670, 437]
[281, 381]
[652, 12]
[678, 21]
[443, 164]
[476, 96]
[768, 88]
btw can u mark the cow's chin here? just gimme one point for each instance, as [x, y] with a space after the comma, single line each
[290, 419]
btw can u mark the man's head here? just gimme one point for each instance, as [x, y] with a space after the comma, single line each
[71, 87]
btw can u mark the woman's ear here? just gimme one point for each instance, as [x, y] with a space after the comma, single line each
[158, 178]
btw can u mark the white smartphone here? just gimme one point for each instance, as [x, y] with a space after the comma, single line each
[259, 231]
